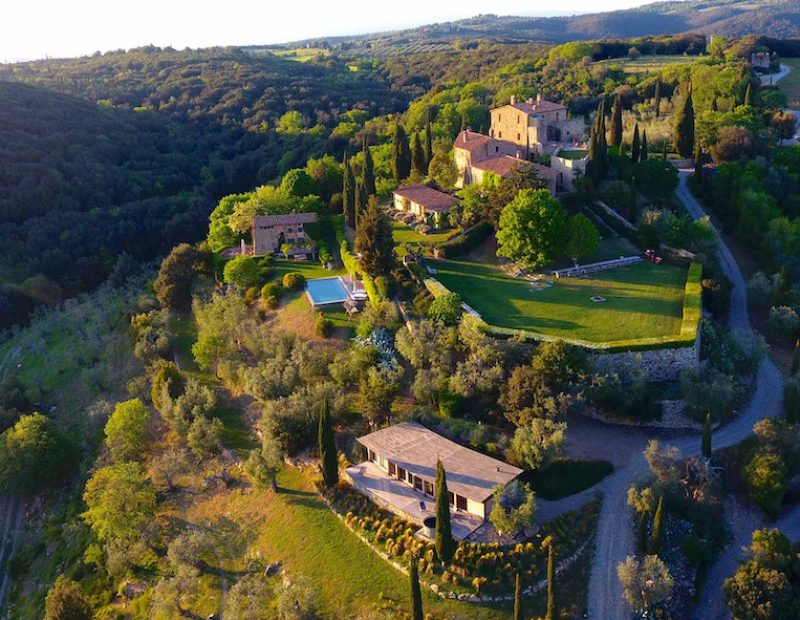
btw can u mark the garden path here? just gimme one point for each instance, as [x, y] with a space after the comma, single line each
[615, 527]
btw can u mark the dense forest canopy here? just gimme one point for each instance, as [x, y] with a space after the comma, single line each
[132, 150]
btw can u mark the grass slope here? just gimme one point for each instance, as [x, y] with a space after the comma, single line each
[403, 233]
[791, 83]
[643, 301]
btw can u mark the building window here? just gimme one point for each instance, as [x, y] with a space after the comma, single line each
[497, 149]
[501, 134]
[428, 488]
[401, 473]
[452, 498]
[518, 138]
[392, 469]
[418, 483]
[461, 503]
[370, 455]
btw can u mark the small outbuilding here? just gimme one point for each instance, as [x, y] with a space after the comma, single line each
[424, 201]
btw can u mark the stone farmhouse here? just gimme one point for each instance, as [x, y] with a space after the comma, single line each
[424, 201]
[270, 231]
[400, 475]
[519, 131]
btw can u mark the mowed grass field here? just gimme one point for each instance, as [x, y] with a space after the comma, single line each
[403, 233]
[642, 300]
[646, 64]
[791, 83]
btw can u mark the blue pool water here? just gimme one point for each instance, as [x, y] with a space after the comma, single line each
[326, 291]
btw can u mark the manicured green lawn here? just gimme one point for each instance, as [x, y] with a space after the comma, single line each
[309, 268]
[301, 531]
[574, 154]
[403, 233]
[646, 64]
[643, 300]
[791, 83]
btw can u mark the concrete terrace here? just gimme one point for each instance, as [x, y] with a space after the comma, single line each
[404, 501]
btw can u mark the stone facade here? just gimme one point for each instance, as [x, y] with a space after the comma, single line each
[658, 364]
[568, 170]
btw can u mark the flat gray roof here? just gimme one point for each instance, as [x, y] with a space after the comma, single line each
[416, 449]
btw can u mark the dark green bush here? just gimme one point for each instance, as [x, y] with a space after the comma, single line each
[294, 281]
[466, 241]
[323, 327]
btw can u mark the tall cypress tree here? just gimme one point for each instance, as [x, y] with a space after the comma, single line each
[796, 359]
[360, 201]
[368, 176]
[445, 546]
[597, 145]
[698, 161]
[616, 122]
[791, 402]
[636, 145]
[374, 240]
[517, 598]
[348, 192]
[416, 593]
[327, 447]
[641, 541]
[428, 140]
[551, 583]
[657, 534]
[418, 157]
[664, 147]
[657, 98]
[401, 154]
[684, 126]
[748, 94]
[706, 446]
[643, 152]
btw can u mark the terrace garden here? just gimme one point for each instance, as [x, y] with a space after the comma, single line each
[642, 300]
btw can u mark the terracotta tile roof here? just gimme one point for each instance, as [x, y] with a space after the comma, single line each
[499, 164]
[431, 199]
[415, 448]
[286, 219]
[471, 141]
[538, 107]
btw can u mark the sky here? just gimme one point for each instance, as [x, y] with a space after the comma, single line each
[32, 29]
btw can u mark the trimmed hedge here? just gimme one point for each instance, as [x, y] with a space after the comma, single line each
[371, 289]
[466, 241]
[690, 323]
[614, 224]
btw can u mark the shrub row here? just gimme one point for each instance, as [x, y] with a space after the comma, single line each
[466, 241]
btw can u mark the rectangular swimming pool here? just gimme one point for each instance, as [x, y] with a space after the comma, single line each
[323, 291]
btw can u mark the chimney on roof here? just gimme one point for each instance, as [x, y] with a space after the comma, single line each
[538, 97]
[513, 99]
[466, 131]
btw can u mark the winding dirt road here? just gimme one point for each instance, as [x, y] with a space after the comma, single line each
[615, 540]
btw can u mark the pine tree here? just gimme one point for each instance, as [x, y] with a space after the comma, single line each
[796, 359]
[327, 447]
[791, 402]
[684, 126]
[428, 141]
[551, 583]
[401, 154]
[348, 192]
[416, 593]
[636, 145]
[643, 534]
[616, 122]
[374, 240]
[706, 447]
[368, 177]
[418, 157]
[643, 152]
[657, 98]
[657, 533]
[445, 547]
[517, 598]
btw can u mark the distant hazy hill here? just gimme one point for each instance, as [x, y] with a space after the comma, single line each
[730, 18]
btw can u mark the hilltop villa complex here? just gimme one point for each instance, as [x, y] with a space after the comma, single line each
[524, 131]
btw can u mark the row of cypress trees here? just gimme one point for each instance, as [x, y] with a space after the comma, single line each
[414, 157]
[357, 191]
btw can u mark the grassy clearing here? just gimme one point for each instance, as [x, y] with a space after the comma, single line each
[642, 301]
[298, 529]
[565, 477]
[301, 54]
[575, 154]
[309, 268]
[791, 83]
[646, 64]
[403, 233]
[298, 316]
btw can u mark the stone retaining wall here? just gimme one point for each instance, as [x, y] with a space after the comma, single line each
[658, 364]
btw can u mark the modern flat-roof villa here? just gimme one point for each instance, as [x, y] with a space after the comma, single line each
[400, 473]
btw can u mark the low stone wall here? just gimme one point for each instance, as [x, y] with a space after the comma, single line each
[658, 364]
